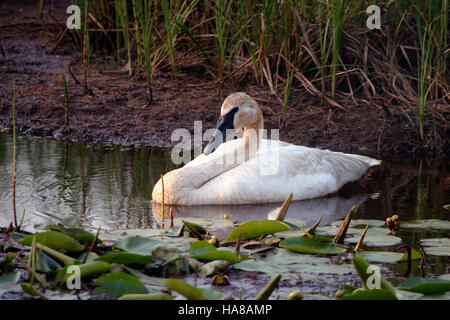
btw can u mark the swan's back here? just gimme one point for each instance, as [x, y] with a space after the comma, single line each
[306, 172]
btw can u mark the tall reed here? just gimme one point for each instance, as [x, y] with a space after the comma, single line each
[15, 155]
[66, 100]
[85, 44]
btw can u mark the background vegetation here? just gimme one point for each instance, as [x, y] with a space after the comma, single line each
[322, 46]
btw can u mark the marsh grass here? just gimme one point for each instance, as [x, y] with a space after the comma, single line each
[322, 48]
[15, 155]
[66, 100]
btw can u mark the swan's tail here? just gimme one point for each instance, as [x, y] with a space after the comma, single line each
[370, 162]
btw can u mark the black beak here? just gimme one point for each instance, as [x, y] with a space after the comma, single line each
[224, 123]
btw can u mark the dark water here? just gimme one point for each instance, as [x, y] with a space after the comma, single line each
[111, 187]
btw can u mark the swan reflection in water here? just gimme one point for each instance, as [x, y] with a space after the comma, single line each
[330, 208]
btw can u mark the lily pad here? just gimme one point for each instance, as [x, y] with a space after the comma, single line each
[203, 250]
[376, 240]
[388, 257]
[425, 286]
[259, 266]
[148, 296]
[119, 283]
[80, 235]
[139, 245]
[126, 258]
[361, 223]
[426, 224]
[9, 282]
[436, 242]
[373, 294]
[437, 246]
[257, 228]
[55, 240]
[306, 245]
[380, 256]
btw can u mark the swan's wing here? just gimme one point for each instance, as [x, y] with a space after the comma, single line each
[271, 175]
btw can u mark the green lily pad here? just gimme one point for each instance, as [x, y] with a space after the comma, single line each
[373, 294]
[148, 296]
[381, 256]
[153, 284]
[119, 283]
[425, 286]
[388, 257]
[260, 266]
[210, 293]
[139, 245]
[80, 235]
[203, 250]
[436, 242]
[185, 289]
[437, 246]
[306, 245]
[55, 240]
[257, 228]
[46, 263]
[361, 223]
[426, 224]
[376, 240]
[126, 258]
[438, 251]
[9, 282]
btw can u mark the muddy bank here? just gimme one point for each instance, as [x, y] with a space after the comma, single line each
[115, 109]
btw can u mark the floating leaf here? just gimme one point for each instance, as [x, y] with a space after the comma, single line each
[80, 235]
[119, 283]
[148, 296]
[139, 245]
[46, 263]
[8, 282]
[388, 257]
[362, 223]
[185, 289]
[426, 224]
[437, 247]
[126, 258]
[259, 266]
[210, 293]
[425, 286]
[204, 250]
[376, 240]
[306, 245]
[381, 256]
[55, 240]
[257, 228]
[373, 294]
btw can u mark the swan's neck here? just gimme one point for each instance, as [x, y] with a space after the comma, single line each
[225, 161]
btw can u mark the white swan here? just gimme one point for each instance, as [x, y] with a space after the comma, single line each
[212, 179]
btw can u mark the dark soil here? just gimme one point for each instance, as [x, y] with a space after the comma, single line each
[115, 108]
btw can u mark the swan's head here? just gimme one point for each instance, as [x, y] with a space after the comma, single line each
[238, 111]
